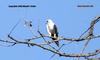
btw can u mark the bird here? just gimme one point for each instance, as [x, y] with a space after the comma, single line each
[52, 30]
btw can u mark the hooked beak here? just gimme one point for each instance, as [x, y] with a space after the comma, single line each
[46, 22]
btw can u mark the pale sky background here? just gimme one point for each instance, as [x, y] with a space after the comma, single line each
[70, 19]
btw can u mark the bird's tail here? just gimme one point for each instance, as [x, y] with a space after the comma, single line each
[57, 42]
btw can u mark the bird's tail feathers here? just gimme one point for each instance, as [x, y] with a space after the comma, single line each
[55, 38]
[57, 42]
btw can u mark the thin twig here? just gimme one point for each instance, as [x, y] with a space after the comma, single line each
[14, 27]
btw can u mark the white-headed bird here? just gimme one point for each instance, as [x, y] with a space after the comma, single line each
[52, 30]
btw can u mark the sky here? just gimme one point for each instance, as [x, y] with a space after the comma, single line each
[71, 21]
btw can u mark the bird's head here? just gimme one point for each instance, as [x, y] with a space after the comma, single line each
[49, 21]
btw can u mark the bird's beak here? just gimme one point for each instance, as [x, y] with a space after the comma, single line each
[46, 22]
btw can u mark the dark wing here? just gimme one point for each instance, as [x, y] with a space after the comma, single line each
[56, 31]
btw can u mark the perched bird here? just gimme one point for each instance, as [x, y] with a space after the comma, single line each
[52, 30]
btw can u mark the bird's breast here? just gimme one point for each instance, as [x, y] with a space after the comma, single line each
[51, 27]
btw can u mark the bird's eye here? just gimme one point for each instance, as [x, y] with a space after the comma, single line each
[47, 21]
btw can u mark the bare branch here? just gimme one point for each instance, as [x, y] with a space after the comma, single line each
[47, 44]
